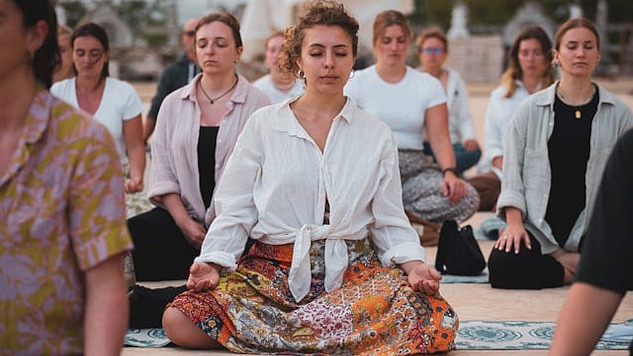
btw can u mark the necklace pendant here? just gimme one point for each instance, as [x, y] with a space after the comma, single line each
[577, 114]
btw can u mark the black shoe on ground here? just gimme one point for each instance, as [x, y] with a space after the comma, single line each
[147, 305]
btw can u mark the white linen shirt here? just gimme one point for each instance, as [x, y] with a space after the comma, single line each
[276, 183]
[526, 167]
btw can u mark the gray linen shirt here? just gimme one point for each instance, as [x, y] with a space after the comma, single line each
[526, 168]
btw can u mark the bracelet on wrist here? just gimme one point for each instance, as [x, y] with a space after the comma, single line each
[449, 169]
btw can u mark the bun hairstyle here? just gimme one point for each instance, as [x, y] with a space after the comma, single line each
[323, 12]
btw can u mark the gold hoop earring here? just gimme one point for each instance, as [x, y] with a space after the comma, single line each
[301, 74]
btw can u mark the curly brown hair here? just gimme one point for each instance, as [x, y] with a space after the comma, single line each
[321, 12]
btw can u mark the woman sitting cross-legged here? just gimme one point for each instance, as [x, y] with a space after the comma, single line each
[196, 130]
[432, 47]
[336, 266]
[554, 155]
[413, 104]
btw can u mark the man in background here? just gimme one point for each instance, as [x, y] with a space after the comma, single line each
[175, 75]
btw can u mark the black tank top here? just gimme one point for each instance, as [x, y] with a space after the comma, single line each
[206, 161]
[568, 150]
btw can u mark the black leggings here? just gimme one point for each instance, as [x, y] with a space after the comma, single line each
[529, 269]
[161, 251]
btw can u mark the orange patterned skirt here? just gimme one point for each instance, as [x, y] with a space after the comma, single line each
[374, 312]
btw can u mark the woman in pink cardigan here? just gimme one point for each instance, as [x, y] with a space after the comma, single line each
[196, 129]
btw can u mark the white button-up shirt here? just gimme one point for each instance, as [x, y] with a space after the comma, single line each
[276, 183]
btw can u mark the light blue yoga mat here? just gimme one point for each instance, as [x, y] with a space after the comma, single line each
[480, 278]
[472, 335]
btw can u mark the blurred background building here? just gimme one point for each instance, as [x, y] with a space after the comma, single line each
[145, 34]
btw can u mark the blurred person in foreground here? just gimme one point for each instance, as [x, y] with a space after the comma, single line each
[62, 213]
[175, 76]
[336, 268]
[277, 85]
[604, 275]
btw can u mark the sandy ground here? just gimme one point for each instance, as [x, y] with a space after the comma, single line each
[472, 301]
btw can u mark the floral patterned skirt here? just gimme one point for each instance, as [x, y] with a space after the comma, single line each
[374, 312]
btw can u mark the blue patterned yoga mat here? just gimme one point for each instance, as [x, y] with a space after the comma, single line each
[524, 335]
[146, 338]
[472, 335]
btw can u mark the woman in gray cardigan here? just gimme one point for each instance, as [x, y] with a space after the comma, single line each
[554, 156]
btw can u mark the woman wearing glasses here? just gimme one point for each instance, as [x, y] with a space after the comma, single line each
[432, 52]
[413, 104]
[112, 102]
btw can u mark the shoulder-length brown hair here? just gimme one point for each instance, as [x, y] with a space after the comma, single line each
[514, 72]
